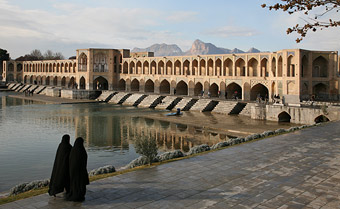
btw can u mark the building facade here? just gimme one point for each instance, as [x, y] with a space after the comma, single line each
[294, 74]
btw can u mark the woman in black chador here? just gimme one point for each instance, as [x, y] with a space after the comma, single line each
[60, 177]
[78, 172]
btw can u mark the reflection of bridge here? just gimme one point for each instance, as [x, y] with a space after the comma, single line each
[295, 74]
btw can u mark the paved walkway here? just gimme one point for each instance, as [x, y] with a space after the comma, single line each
[296, 170]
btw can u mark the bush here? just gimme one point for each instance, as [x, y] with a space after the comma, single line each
[147, 147]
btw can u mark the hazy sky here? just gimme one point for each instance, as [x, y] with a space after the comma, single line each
[67, 25]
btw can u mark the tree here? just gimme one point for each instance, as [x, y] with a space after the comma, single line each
[4, 56]
[36, 54]
[315, 12]
[147, 147]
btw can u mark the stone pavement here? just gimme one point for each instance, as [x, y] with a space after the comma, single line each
[295, 170]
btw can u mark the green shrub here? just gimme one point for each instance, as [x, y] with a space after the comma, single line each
[147, 147]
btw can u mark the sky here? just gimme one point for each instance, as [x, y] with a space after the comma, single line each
[66, 25]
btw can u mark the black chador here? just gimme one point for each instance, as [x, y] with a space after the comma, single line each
[78, 172]
[60, 177]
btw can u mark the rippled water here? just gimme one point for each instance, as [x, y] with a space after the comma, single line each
[31, 131]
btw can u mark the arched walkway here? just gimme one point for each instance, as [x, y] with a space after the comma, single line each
[198, 89]
[149, 86]
[71, 83]
[55, 81]
[100, 83]
[213, 89]
[135, 85]
[321, 119]
[320, 92]
[258, 90]
[121, 85]
[284, 117]
[234, 91]
[165, 87]
[63, 81]
[181, 88]
[82, 83]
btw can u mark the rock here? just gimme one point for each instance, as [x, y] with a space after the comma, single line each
[268, 133]
[249, 138]
[280, 131]
[220, 145]
[24, 187]
[169, 155]
[256, 136]
[102, 170]
[137, 162]
[198, 149]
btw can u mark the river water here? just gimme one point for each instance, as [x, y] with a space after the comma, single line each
[31, 131]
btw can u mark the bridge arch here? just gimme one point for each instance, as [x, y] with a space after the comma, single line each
[121, 85]
[321, 119]
[181, 88]
[100, 83]
[214, 90]
[165, 87]
[149, 86]
[234, 91]
[258, 90]
[135, 85]
[82, 83]
[284, 117]
[198, 89]
[320, 91]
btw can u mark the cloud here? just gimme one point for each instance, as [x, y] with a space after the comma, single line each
[182, 16]
[231, 31]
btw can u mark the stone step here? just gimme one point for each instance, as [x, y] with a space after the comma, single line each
[16, 87]
[105, 96]
[148, 101]
[119, 98]
[183, 103]
[40, 89]
[133, 99]
[224, 107]
[167, 103]
[10, 86]
[247, 109]
[200, 105]
[238, 108]
[33, 88]
[24, 88]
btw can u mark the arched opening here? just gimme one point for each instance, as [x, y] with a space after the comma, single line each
[228, 67]
[121, 85]
[10, 67]
[234, 91]
[213, 89]
[100, 83]
[240, 67]
[63, 81]
[280, 66]
[274, 67]
[252, 67]
[284, 117]
[19, 78]
[135, 85]
[146, 67]
[125, 68]
[264, 70]
[132, 68]
[139, 67]
[320, 92]
[165, 87]
[320, 67]
[194, 67]
[160, 67]
[149, 86]
[82, 62]
[210, 67]
[258, 91]
[168, 68]
[202, 68]
[186, 67]
[48, 80]
[71, 83]
[9, 77]
[321, 119]
[153, 68]
[198, 89]
[19, 67]
[304, 67]
[82, 83]
[182, 88]
[55, 81]
[178, 68]
[290, 67]
[218, 68]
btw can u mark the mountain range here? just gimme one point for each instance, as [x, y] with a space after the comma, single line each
[198, 47]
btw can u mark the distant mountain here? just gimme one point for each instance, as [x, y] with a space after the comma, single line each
[161, 50]
[198, 47]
